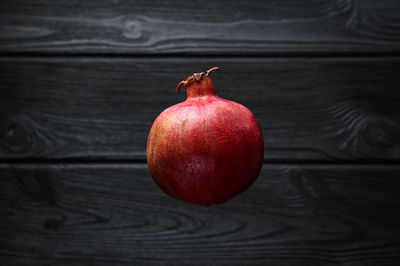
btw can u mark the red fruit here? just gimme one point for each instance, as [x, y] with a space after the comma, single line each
[206, 149]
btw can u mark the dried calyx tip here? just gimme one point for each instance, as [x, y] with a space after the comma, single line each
[195, 77]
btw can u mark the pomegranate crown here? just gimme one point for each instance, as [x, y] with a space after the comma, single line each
[196, 77]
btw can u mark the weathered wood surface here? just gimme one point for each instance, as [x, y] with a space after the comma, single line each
[308, 108]
[200, 27]
[103, 214]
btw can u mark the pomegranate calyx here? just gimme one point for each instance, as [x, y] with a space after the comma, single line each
[196, 77]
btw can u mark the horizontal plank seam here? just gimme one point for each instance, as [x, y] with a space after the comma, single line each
[204, 55]
[94, 165]
[143, 161]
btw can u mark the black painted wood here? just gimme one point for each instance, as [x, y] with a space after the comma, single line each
[319, 109]
[200, 27]
[103, 214]
[75, 104]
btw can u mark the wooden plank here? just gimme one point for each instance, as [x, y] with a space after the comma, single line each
[309, 109]
[199, 27]
[101, 214]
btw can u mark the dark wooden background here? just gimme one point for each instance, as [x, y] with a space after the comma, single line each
[82, 81]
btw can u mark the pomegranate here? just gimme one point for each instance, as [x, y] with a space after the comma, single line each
[206, 149]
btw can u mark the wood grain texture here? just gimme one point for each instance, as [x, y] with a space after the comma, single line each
[309, 109]
[103, 214]
[200, 27]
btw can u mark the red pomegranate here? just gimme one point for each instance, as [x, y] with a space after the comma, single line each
[206, 149]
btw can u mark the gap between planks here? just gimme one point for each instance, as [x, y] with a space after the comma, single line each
[265, 55]
[143, 163]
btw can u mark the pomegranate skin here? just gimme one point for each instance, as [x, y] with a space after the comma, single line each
[206, 149]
